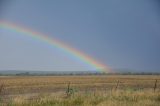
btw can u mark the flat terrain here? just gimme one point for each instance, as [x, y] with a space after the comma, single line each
[100, 90]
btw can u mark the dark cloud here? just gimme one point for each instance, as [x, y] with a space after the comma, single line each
[3, 5]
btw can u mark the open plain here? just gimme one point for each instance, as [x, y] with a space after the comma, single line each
[93, 90]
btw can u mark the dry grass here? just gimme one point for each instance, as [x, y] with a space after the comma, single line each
[118, 98]
[132, 90]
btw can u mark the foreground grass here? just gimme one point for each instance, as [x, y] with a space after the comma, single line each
[98, 98]
[107, 90]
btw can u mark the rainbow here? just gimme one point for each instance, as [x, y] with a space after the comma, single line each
[56, 43]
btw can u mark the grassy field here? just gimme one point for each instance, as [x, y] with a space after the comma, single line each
[107, 90]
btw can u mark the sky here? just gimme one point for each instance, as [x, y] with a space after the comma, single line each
[122, 34]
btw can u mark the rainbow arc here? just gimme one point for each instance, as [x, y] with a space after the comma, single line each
[56, 43]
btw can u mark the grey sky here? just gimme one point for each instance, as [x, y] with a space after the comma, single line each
[123, 34]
